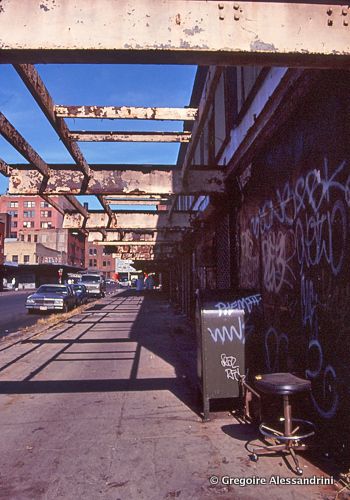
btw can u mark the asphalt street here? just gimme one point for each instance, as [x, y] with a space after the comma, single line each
[13, 313]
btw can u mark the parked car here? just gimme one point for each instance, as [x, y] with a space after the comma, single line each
[124, 282]
[81, 293]
[51, 298]
[95, 284]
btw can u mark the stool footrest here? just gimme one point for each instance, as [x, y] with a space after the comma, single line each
[279, 436]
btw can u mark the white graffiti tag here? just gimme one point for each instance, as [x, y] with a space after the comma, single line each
[231, 368]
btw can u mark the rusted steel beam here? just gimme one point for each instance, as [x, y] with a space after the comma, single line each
[70, 198]
[109, 180]
[205, 104]
[111, 236]
[213, 77]
[136, 243]
[136, 200]
[139, 256]
[121, 197]
[37, 88]
[96, 136]
[127, 221]
[51, 202]
[11, 134]
[5, 169]
[176, 31]
[77, 205]
[105, 206]
[126, 112]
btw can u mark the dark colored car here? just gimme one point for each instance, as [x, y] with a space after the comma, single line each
[81, 293]
[51, 298]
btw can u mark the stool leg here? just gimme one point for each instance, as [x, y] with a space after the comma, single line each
[298, 469]
[287, 410]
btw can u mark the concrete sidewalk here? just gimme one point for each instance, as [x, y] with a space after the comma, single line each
[105, 407]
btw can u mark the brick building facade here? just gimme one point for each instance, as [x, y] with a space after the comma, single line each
[97, 260]
[2, 240]
[33, 220]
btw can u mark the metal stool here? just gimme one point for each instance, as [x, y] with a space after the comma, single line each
[284, 384]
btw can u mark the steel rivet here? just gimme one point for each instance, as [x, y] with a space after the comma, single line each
[346, 22]
[236, 6]
[345, 11]
[236, 17]
[221, 5]
[222, 17]
[329, 12]
[330, 22]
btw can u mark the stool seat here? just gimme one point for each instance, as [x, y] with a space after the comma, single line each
[281, 383]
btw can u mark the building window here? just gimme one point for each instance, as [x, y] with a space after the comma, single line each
[29, 238]
[29, 213]
[95, 263]
[35, 238]
[91, 251]
[14, 223]
[44, 204]
[26, 259]
[29, 204]
[13, 204]
[45, 225]
[46, 213]
[14, 258]
[13, 235]
[90, 262]
[104, 263]
[13, 213]
[28, 223]
[22, 237]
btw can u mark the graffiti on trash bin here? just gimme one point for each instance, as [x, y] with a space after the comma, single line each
[231, 367]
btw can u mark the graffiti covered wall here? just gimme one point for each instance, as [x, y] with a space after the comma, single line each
[294, 227]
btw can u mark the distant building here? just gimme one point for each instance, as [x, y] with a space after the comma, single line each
[5, 218]
[20, 252]
[96, 259]
[33, 220]
[2, 242]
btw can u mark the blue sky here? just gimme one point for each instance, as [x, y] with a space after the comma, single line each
[118, 85]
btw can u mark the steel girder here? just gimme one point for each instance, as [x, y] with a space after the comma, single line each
[175, 31]
[116, 179]
[128, 221]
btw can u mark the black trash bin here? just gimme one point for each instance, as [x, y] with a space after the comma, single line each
[221, 329]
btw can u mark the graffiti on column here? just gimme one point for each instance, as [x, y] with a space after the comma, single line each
[299, 234]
